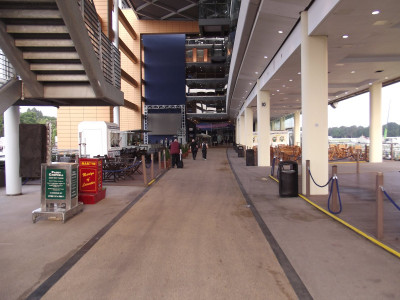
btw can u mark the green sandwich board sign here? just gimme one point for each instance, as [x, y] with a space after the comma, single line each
[56, 184]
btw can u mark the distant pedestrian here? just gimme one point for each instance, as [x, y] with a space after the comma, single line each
[204, 147]
[175, 150]
[194, 147]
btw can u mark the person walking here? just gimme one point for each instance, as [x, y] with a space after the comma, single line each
[194, 147]
[174, 149]
[204, 147]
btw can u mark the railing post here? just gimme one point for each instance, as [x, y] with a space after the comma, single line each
[335, 200]
[379, 205]
[358, 161]
[307, 178]
[152, 166]
[144, 170]
[165, 160]
[391, 151]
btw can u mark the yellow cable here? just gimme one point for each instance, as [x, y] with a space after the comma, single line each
[370, 238]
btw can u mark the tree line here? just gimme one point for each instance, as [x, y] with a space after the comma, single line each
[393, 130]
[33, 116]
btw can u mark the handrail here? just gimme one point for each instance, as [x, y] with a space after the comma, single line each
[106, 52]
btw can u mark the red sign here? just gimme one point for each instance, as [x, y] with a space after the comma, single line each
[90, 175]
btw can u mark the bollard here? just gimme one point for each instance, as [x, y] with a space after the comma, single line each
[152, 166]
[391, 151]
[144, 170]
[358, 161]
[379, 206]
[307, 178]
[159, 161]
[335, 201]
[165, 161]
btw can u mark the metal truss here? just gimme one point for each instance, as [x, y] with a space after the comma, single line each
[181, 132]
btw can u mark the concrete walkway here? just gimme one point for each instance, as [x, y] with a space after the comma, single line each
[202, 232]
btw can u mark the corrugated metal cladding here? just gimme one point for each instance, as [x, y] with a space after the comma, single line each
[164, 59]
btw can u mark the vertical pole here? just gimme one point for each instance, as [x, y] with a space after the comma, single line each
[358, 161]
[144, 170]
[391, 151]
[165, 160]
[12, 151]
[335, 200]
[159, 161]
[152, 166]
[379, 206]
[307, 178]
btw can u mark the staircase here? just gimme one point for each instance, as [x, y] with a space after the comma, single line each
[60, 53]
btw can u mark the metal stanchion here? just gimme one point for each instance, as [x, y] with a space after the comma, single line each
[152, 166]
[144, 170]
[159, 161]
[358, 161]
[165, 161]
[379, 206]
[307, 178]
[335, 200]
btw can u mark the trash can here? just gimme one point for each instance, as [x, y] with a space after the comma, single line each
[288, 179]
[240, 151]
[250, 157]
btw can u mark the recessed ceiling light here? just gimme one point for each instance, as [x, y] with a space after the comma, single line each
[375, 12]
[345, 36]
[256, 72]
[370, 83]
[290, 79]
[299, 73]
[277, 90]
[352, 72]
[250, 83]
[265, 56]
[280, 31]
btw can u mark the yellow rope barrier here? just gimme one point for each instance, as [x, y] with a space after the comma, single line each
[368, 237]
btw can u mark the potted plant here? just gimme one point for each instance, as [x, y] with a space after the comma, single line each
[185, 151]
[167, 159]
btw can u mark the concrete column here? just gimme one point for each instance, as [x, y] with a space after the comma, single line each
[237, 135]
[264, 131]
[296, 129]
[375, 121]
[314, 94]
[248, 127]
[282, 124]
[115, 25]
[11, 151]
[242, 130]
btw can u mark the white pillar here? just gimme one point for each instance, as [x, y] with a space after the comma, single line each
[242, 131]
[375, 121]
[11, 150]
[296, 130]
[314, 94]
[282, 123]
[237, 132]
[115, 25]
[264, 131]
[248, 125]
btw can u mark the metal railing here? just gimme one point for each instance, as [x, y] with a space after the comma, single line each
[105, 50]
[7, 71]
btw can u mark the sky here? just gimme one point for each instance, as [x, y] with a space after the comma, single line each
[353, 111]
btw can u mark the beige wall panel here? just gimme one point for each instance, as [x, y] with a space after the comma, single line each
[68, 118]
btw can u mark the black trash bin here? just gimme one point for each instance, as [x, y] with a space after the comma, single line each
[288, 179]
[250, 157]
[240, 151]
